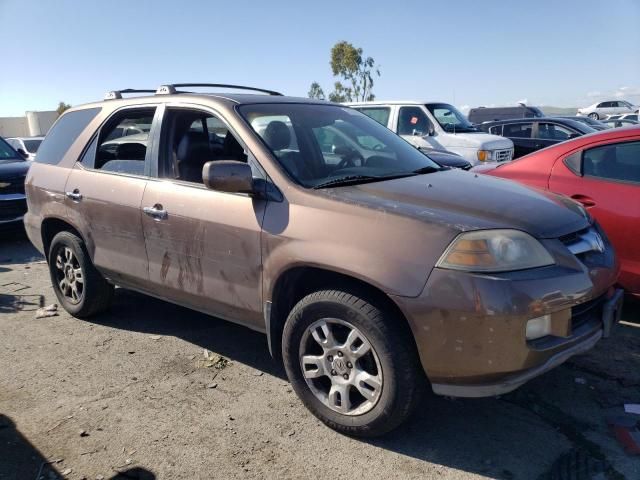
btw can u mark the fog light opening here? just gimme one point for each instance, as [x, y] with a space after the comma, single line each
[538, 327]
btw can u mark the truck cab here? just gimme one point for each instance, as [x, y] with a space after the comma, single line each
[429, 125]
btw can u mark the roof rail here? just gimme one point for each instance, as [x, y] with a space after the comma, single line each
[171, 88]
[117, 94]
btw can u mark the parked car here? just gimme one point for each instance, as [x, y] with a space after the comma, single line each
[602, 171]
[25, 146]
[13, 170]
[626, 116]
[619, 123]
[602, 109]
[529, 135]
[595, 124]
[365, 270]
[492, 114]
[439, 126]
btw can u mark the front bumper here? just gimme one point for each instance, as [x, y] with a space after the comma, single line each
[12, 208]
[470, 328]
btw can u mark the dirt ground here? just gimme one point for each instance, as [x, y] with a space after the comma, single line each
[131, 395]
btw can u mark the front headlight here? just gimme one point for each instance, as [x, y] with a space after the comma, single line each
[484, 155]
[494, 251]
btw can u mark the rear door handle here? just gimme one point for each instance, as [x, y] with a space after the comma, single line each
[156, 212]
[76, 196]
[584, 200]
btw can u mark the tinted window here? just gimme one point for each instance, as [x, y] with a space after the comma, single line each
[517, 130]
[63, 133]
[613, 162]
[6, 152]
[32, 145]
[121, 146]
[380, 115]
[553, 131]
[497, 130]
[412, 121]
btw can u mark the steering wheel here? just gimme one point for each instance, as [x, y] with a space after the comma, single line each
[350, 158]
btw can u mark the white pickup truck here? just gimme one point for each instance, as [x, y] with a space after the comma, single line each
[438, 125]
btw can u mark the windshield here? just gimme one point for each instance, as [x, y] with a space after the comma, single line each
[32, 145]
[450, 118]
[8, 153]
[323, 145]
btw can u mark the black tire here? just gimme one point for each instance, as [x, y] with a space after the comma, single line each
[97, 293]
[390, 339]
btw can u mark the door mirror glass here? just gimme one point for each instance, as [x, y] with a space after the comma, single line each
[229, 176]
[22, 153]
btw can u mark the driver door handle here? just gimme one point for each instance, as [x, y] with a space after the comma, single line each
[76, 196]
[156, 212]
[584, 200]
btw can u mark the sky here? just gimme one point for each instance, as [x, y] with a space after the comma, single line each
[466, 52]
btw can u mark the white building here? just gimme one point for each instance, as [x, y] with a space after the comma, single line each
[33, 124]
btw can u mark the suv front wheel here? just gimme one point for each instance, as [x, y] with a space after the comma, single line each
[81, 289]
[351, 363]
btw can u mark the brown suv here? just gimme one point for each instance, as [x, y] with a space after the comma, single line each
[365, 263]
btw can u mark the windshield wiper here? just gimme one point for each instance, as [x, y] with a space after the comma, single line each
[427, 169]
[354, 179]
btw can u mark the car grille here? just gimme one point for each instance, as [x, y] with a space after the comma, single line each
[584, 241]
[11, 209]
[587, 311]
[503, 155]
[16, 185]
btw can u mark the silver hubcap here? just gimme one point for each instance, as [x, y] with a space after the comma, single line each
[69, 275]
[341, 367]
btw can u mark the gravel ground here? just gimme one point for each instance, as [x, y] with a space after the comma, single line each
[132, 394]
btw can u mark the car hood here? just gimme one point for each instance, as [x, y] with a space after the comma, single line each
[465, 201]
[483, 141]
[13, 169]
[447, 159]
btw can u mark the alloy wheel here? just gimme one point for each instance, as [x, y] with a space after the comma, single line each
[341, 367]
[69, 275]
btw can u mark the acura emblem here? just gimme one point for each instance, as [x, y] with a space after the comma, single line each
[596, 242]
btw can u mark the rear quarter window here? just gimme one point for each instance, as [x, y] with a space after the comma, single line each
[63, 134]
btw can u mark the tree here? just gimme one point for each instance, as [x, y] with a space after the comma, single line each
[316, 91]
[357, 73]
[62, 107]
[348, 62]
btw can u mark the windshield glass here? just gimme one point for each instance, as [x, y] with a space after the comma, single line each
[32, 145]
[450, 118]
[327, 144]
[8, 153]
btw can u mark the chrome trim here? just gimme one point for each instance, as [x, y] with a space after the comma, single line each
[12, 196]
[590, 241]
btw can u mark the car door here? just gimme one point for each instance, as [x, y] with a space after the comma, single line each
[521, 134]
[203, 245]
[605, 178]
[104, 193]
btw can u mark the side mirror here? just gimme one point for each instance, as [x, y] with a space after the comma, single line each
[22, 153]
[229, 176]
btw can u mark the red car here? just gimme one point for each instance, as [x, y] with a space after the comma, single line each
[601, 171]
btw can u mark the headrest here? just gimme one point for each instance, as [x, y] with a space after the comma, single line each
[277, 135]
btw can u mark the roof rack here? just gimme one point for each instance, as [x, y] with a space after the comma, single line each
[117, 94]
[171, 88]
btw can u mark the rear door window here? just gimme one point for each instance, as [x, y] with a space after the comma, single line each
[121, 146]
[617, 162]
[380, 115]
[63, 133]
[517, 130]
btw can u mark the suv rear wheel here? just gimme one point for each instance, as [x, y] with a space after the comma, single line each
[80, 288]
[351, 363]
